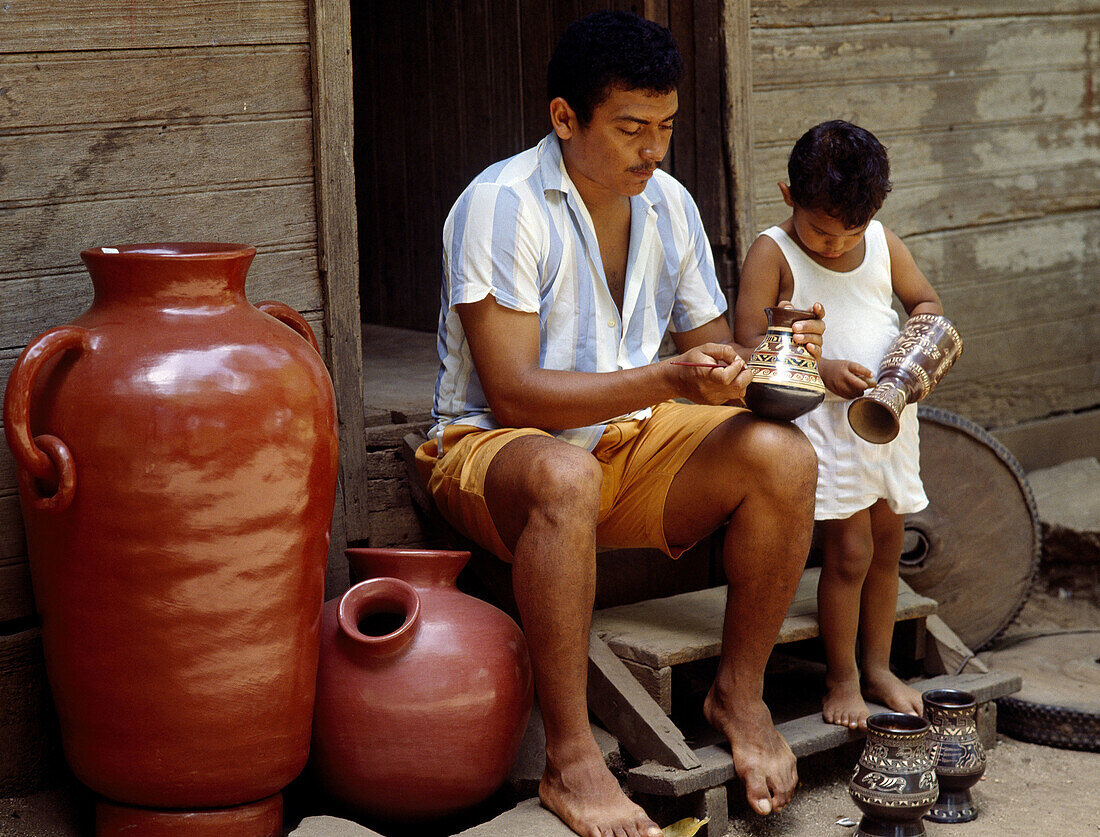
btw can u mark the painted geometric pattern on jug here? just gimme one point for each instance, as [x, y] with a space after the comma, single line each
[957, 757]
[787, 377]
[908, 364]
[892, 398]
[889, 790]
[904, 759]
[948, 724]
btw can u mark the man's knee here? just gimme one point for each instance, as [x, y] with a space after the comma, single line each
[564, 479]
[783, 457]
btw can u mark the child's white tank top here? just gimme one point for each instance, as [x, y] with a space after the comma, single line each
[860, 324]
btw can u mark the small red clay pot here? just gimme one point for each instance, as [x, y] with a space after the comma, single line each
[423, 692]
[177, 454]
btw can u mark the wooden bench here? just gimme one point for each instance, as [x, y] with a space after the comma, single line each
[651, 637]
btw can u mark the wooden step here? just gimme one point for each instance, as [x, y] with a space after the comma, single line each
[688, 627]
[652, 636]
[805, 736]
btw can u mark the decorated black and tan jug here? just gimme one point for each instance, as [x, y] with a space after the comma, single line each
[785, 383]
[894, 782]
[957, 752]
[916, 361]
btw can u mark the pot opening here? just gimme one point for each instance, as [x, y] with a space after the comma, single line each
[382, 613]
[949, 698]
[896, 722]
[872, 421]
[381, 623]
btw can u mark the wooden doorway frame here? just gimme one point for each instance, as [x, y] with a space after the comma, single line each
[338, 252]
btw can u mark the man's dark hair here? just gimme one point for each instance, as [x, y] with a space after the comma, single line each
[840, 169]
[608, 50]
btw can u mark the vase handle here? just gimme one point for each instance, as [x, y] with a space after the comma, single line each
[45, 458]
[288, 316]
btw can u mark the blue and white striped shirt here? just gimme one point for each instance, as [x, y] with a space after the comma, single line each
[521, 232]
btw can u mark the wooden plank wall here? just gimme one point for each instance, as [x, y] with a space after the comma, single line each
[444, 89]
[990, 115]
[124, 122]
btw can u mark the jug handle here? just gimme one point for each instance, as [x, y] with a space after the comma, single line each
[44, 457]
[288, 316]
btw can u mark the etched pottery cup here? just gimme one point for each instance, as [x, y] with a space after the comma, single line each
[956, 750]
[916, 361]
[785, 383]
[894, 782]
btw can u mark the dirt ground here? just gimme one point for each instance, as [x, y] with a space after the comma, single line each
[1027, 789]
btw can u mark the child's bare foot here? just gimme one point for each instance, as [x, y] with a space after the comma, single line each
[761, 756]
[588, 799]
[883, 686]
[843, 705]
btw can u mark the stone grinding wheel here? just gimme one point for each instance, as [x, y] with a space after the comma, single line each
[975, 549]
[1059, 703]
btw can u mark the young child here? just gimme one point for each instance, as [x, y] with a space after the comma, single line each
[830, 250]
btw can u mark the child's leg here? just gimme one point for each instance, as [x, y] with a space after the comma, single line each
[878, 607]
[847, 547]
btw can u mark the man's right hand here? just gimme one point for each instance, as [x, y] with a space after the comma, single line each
[721, 376]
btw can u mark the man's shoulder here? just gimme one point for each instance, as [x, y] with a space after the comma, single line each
[667, 190]
[512, 171]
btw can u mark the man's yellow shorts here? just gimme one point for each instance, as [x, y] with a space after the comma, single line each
[639, 459]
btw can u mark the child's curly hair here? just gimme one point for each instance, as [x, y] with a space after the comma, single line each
[610, 49]
[840, 169]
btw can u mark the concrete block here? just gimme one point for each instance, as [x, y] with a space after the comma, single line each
[1068, 495]
[528, 818]
[331, 827]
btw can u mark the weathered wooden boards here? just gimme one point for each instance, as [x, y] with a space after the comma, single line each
[989, 114]
[40, 25]
[654, 635]
[629, 713]
[30, 749]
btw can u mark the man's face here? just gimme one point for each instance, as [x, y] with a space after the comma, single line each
[616, 153]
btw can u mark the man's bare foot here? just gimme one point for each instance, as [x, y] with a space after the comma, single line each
[588, 799]
[843, 705]
[883, 686]
[761, 756]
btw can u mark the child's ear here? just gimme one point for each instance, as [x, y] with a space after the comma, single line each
[786, 191]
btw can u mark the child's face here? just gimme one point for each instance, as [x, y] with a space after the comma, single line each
[821, 233]
[825, 235]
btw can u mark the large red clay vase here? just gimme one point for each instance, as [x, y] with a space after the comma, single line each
[177, 456]
[423, 692]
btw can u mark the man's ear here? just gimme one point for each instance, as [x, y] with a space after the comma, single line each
[563, 118]
[786, 191]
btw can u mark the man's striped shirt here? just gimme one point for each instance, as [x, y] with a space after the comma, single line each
[521, 232]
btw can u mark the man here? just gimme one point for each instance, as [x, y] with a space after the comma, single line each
[563, 268]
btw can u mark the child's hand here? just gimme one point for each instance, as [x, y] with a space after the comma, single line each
[807, 333]
[846, 378]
